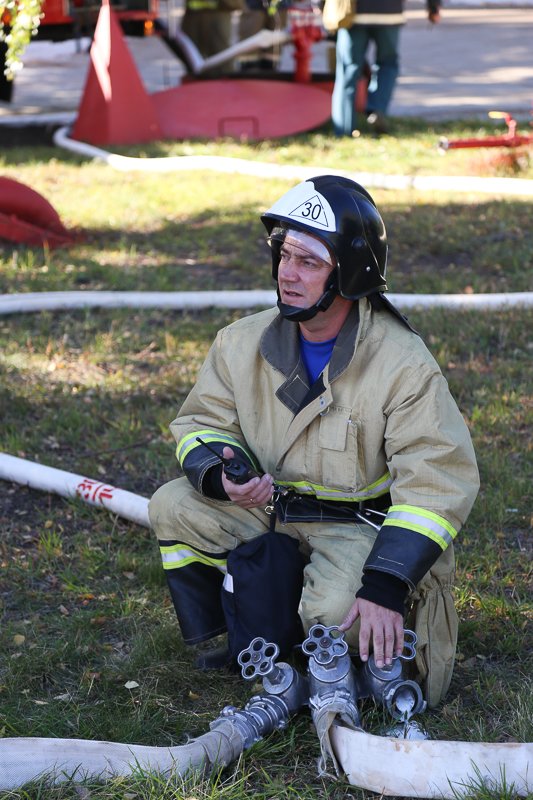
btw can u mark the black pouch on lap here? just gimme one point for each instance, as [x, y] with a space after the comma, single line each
[298, 508]
[293, 507]
[261, 592]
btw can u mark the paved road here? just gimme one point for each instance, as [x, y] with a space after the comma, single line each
[475, 60]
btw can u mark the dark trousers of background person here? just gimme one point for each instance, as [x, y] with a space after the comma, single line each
[252, 21]
[210, 30]
[351, 49]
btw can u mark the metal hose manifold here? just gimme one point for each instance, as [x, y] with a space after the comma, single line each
[377, 763]
[332, 688]
[401, 697]
[335, 688]
[285, 692]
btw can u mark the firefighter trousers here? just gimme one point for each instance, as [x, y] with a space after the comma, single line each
[195, 535]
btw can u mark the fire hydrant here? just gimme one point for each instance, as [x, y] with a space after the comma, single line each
[305, 29]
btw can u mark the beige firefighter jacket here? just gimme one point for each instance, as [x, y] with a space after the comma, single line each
[381, 420]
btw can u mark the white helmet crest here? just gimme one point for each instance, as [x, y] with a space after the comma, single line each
[303, 203]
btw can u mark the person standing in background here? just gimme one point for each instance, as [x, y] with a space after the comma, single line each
[377, 21]
[208, 24]
[261, 15]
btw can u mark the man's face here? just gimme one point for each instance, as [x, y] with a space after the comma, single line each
[305, 264]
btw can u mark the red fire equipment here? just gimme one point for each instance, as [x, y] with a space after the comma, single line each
[305, 29]
[509, 139]
[117, 109]
[27, 217]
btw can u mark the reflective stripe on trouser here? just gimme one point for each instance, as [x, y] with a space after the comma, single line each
[195, 592]
[195, 535]
[337, 553]
[195, 580]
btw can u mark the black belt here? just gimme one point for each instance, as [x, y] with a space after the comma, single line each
[293, 507]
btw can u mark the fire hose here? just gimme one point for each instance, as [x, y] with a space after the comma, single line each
[331, 689]
[26, 759]
[399, 764]
[240, 166]
[253, 298]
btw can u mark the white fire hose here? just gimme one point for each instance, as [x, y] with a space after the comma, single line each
[68, 484]
[502, 186]
[407, 768]
[254, 298]
[390, 766]
[233, 731]
[26, 759]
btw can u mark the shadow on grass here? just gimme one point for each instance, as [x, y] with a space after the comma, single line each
[437, 248]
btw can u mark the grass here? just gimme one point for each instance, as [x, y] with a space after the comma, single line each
[83, 604]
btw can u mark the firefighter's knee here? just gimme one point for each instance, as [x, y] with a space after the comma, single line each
[328, 605]
[351, 636]
[164, 508]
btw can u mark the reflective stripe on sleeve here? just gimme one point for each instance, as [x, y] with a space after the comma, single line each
[202, 5]
[422, 521]
[189, 442]
[178, 555]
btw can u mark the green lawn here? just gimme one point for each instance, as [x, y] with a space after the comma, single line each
[83, 604]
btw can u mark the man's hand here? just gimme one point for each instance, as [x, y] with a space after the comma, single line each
[379, 625]
[434, 17]
[257, 492]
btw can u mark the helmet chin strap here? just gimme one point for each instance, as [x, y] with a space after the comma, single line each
[297, 314]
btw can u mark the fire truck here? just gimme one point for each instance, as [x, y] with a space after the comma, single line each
[65, 19]
[70, 19]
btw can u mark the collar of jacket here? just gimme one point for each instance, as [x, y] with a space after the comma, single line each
[281, 349]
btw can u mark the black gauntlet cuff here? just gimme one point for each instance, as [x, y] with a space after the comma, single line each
[212, 484]
[384, 590]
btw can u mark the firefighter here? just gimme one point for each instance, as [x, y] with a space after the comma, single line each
[208, 23]
[378, 23]
[258, 15]
[335, 410]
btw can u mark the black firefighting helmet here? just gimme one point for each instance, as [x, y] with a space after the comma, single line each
[343, 215]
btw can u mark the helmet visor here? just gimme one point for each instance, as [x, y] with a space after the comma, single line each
[306, 251]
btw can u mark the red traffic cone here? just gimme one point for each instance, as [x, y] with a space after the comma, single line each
[115, 107]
